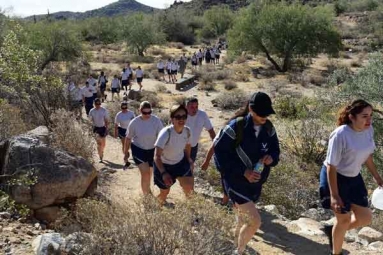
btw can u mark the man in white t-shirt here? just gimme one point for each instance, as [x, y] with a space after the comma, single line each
[100, 118]
[196, 121]
[88, 96]
[124, 79]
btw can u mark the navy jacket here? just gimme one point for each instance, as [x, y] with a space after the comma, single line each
[232, 163]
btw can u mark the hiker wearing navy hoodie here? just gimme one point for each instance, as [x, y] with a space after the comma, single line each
[342, 188]
[248, 141]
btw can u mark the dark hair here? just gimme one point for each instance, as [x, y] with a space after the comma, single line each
[124, 103]
[176, 108]
[242, 112]
[97, 100]
[86, 83]
[145, 105]
[102, 73]
[191, 100]
[354, 108]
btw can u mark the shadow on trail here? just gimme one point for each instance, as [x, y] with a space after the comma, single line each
[112, 164]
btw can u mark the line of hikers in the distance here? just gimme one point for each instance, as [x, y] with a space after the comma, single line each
[244, 151]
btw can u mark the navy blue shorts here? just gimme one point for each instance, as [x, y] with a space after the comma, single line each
[115, 90]
[142, 156]
[181, 169]
[242, 192]
[352, 190]
[124, 82]
[193, 152]
[140, 79]
[121, 132]
[161, 70]
[101, 131]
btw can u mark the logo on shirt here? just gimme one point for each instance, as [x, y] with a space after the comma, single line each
[264, 147]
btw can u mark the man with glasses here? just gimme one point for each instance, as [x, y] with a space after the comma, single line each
[196, 121]
[140, 137]
[100, 118]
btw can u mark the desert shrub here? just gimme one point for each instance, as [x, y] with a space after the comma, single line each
[72, 136]
[230, 84]
[157, 52]
[161, 88]
[207, 85]
[164, 116]
[242, 73]
[194, 227]
[231, 100]
[377, 221]
[177, 45]
[362, 5]
[290, 187]
[11, 122]
[140, 59]
[339, 76]
[315, 79]
[276, 85]
[151, 97]
[356, 63]
[291, 107]
[179, 99]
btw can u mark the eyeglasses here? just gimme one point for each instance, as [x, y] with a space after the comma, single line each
[146, 113]
[181, 117]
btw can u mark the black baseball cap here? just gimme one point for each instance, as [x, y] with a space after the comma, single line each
[260, 103]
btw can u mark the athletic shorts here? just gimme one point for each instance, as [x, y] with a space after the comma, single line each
[161, 70]
[174, 72]
[125, 82]
[115, 90]
[200, 60]
[101, 131]
[103, 87]
[352, 190]
[242, 192]
[121, 132]
[181, 169]
[193, 152]
[169, 71]
[217, 56]
[142, 156]
[139, 79]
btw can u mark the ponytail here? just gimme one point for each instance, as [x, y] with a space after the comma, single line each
[353, 109]
[240, 113]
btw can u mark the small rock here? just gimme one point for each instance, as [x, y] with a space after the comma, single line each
[376, 246]
[37, 226]
[30, 233]
[370, 234]
[49, 214]
[8, 249]
[318, 214]
[14, 240]
[5, 215]
[271, 209]
[73, 243]
[308, 227]
[351, 236]
[8, 229]
[47, 244]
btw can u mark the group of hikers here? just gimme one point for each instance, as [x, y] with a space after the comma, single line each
[244, 151]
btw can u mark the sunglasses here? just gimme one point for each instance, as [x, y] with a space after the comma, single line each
[181, 117]
[263, 116]
[97, 104]
[146, 113]
[124, 108]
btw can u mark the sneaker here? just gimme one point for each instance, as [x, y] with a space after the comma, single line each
[328, 231]
[125, 167]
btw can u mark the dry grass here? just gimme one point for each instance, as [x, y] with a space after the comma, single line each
[177, 45]
[179, 99]
[11, 122]
[231, 100]
[161, 88]
[230, 85]
[70, 135]
[195, 227]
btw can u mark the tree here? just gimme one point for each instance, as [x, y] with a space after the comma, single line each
[56, 40]
[217, 21]
[104, 29]
[283, 31]
[140, 32]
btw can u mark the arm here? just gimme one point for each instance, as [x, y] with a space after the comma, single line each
[157, 159]
[115, 130]
[211, 133]
[126, 148]
[374, 172]
[209, 155]
[336, 201]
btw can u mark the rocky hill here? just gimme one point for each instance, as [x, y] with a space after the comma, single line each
[120, 7]
[202, 5]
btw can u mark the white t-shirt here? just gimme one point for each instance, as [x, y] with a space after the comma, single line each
[348, 150]
[169, 65]
[123, 119]
[102, 79]
[124, 76]
[144, 132]
[200, 54]
[88, 91]
[92, 81]
[139, 73]
[257, 129]
[160, 65]
[115, 83]
[196, 123]
[98, 116]
[173, 151]
[174, 66]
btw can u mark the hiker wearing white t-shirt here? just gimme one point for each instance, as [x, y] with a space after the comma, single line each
[174, 70]
[115, 87]
[75, 97]
[124, 79]
[121, 123]
[102, 81]
[217, 53]
[200, 57]
[139, 76]
[172, 159]
[194, 61]
[87, 97]
[212, 56]
[161, 69]
[342, 188]
[93, 82]
[100, 119]
[140, 137]
[169, 69]
[129, 72]
[197, 120]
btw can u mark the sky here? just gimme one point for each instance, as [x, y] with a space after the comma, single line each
[29, 7]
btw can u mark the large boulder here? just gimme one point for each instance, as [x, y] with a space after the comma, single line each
[50, 176]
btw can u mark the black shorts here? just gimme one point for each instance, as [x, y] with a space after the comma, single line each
[101, 131]
[352, 190]
[169, 71]
[194, 63]
[242, 192]
[181, 169]
[139, 79]
[115, 90]
[161, 70]
[103, 87]
[121, 132]
[125, 82]
[142, 156]
[217, 56]
[174, 72]
[193, 152]
[200, 60]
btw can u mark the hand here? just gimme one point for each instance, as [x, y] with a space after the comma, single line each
[167, 179]
[252, 176]
[267, 160]
[337, 203]
[205, 165]
[379, 181]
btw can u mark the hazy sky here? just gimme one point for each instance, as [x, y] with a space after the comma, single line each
[30, 7]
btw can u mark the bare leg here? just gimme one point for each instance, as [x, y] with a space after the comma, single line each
[187, 184]
[252, 222]
[146, 175]
[163, 195]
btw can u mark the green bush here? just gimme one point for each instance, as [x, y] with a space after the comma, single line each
[291, 107]
[11, 122]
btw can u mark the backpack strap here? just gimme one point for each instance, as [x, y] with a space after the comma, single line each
[168, 130]
[239, 126]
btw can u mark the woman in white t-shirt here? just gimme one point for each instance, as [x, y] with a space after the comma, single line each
[141, 136]
[115, 87]
[172, 159]
[342, 188]
[169, 69]
[121, 123]
[174, 70]
[139, 76]
[161, 69]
